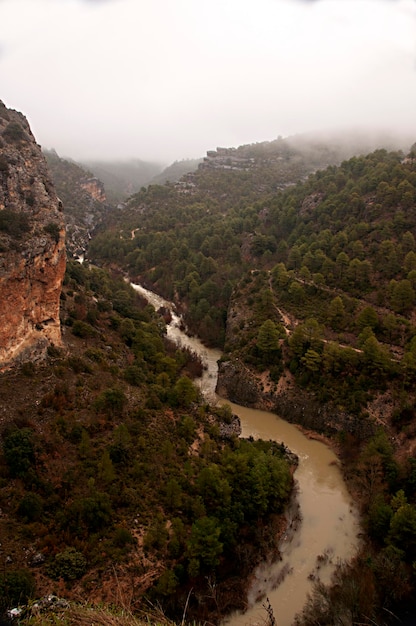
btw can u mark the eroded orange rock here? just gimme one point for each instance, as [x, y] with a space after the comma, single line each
[32, 245]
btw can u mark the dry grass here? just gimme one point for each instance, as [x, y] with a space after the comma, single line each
[76, 615]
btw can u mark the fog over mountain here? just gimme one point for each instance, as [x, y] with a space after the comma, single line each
[161, 81]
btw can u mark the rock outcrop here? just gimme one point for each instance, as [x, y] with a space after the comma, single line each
[95, 188]
[83, 197]
[32, 245]
[239, 384]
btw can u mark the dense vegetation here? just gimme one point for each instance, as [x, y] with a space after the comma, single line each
[115, 482]
[192, 239]
[317, 280]
[114, 478]
[337, 253]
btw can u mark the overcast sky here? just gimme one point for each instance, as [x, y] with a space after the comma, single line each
[170, 79]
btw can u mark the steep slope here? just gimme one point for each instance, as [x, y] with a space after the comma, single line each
[123, 178]
[330, 297]
[83, 197]
[175, 171]
[115, 483]
[212, 225]
[32, 244]
[311, 292]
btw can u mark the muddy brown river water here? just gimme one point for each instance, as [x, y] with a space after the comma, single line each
[322, 530]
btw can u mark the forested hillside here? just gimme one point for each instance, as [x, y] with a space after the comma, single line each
[312, 286]
[196, 239]
[175, 171]
[117, 483]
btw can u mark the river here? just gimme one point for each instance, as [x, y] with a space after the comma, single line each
[328, 530]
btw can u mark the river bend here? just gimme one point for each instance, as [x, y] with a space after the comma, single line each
[322, 531]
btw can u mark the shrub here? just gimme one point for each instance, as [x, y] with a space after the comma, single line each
[94, 354]
[53, 229]
[19, 451]
[4, 164]
[82, 329]
[53, 351]
[13, 133]
[13, 223]
[69, 565]
[16, 587]
[30, 507]
[28, 369]
[89, 514]
[79, 365]
[134, 375]
[122, 537]
[111, 401]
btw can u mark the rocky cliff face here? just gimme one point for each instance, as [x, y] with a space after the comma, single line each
[32, 245]
[239, 384]
[83, 197]
[95, 188]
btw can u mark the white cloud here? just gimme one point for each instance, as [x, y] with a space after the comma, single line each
[172, 78]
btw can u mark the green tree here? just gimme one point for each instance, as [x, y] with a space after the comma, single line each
[409, 263]
[30, 507]
[167, 583]
[184, 392]
[280, 276]
[120, 448]
[69, 565]
[402, 532]
[403, 296]
[408, 242]
[336, 313]
[106, 470]
[204, 547]
[174, 494]
[19, 451]
[379, 518]
[376, 356]
[16, 588]
[84, 448]
[213, 488]
[296, 292]
[305, 336]
[295, 258]
[341, 265]
[367, 318]
[312, 360]
[268, 338]
[111, 401]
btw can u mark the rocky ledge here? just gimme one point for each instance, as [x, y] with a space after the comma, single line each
[239, 384]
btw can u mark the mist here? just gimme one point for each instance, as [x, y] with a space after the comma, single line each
[164, 80]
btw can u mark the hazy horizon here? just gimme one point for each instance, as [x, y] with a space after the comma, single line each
[166, 80]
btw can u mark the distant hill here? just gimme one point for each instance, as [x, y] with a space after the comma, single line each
[174, 172]
[291, 158]
[123, 178]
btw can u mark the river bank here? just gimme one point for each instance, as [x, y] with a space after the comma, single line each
[238, 383]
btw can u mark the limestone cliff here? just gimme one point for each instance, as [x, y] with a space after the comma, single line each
[83, 197]
[95, 188]
[32, 245]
